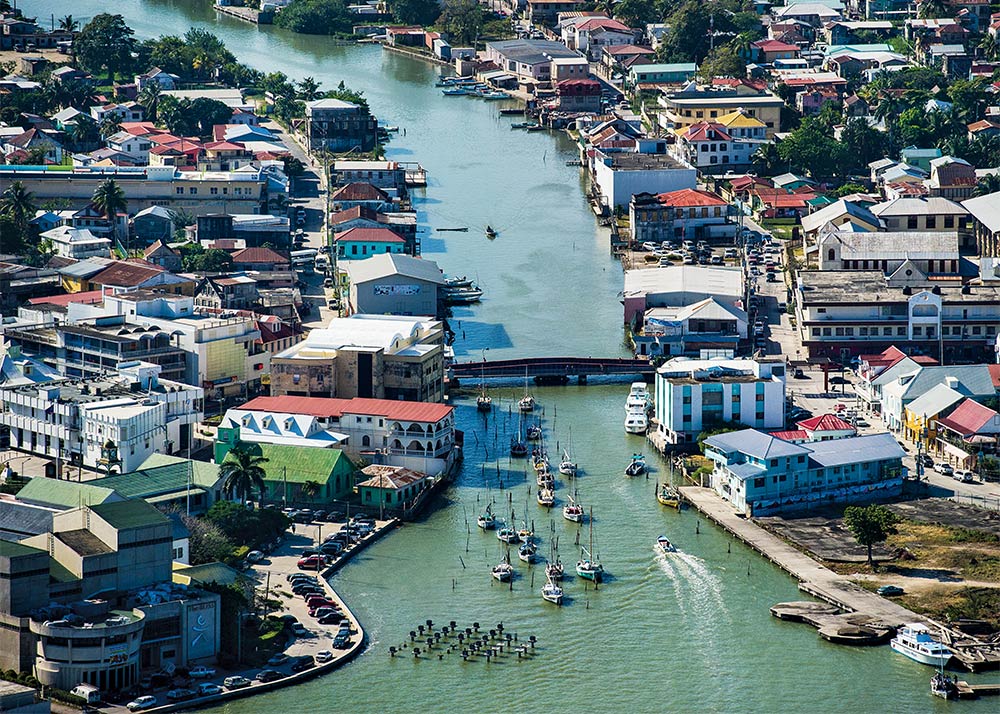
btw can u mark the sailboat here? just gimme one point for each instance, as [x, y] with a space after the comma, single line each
[503, 571]
[551, 592]
[545, 479]
[508, 535]
[518, 448]
[573, 511]
[527, 402]
[528, 552]
[637, 467]
[484, 402]
[567, 467]
[533, 432]
[486, 520]
[589, 566]
[546, 497]
[553, 568]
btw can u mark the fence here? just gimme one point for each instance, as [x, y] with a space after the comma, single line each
[991, 503]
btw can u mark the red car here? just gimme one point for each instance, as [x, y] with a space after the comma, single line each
[320, 601]
[311, 563]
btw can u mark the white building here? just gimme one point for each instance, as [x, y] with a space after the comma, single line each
[136, 147]
[621, 175]
[77, 243]
[693, 395]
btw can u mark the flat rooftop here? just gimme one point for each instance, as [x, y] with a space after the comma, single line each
[630, 161]
[871, 286]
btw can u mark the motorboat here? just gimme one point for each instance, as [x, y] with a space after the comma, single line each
[503, 571]
[636, 420]
[541, 465]
[486, 520]
[462, 282]
[518, 449]
[454, 91]
[484, 402]
[463, 296]
[567, 467]
[551, 592]
[638, 396]
[493, 94]
[915, 641]
[490, 232]
[637, 467]
[526, 403]
[546, 497]
[667, 495]
[528, 552]
[944, 686]
[664, 544]
[508, 535]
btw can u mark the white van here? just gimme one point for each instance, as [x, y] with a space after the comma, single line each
[88, 692]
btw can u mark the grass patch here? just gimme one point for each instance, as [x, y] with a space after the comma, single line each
[950, 604]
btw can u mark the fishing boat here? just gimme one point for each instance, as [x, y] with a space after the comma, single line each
[518, 449]
[490, 233]
[486, 520]
[546, 497]
[638, 396]
[567, 467]
[462, 282]
[519, 125]
[534, 433]
[528, 552]
[573, 511]
[637, 467]
[494, 94]
[508, 535]
[463, 296]
[915, 641]
[551, 592]
[667, 495]
[636, 421]
[589, 567]
[503, 571]
[664, 544]
[454, 91]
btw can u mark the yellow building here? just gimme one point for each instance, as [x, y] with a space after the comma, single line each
[920, 417]
[678, 110]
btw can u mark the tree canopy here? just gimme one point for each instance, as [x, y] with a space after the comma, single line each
[870, 525]
[105, 43]
[316, 17]
[462, 20]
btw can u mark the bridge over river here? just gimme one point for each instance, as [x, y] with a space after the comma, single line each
[554, 368]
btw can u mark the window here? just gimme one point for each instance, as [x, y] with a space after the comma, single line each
[911, 222]
[901, 331]
[826, 332]
[976, 329]
[179, 190]
[759, 482]
[931, 222]
[214, 191]
[192, 190]
[815, 332]
[917, 330]
[949, 221]
[831, 254]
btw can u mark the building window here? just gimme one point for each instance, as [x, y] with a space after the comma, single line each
[949, 221]
[911, 222]
[931, 222]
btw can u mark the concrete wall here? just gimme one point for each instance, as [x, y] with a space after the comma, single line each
[365, 297]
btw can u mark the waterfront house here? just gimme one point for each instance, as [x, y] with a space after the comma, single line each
[390, 283]
[709, 326]
[679, 285]
[620, 175]
[677, 215]
[339, 126]
[402, 223]
[579, 95]
[692, 395]
[359, 243]
[759, 474]
[562, 68]
[390, 487]
[381, 174]
[361, 194]
[527, 59]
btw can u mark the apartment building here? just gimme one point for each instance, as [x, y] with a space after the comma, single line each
[338, 126]
[693, 104]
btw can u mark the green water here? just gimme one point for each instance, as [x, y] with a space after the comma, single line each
[688, 633]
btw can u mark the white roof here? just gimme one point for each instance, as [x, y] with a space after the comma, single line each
[711, 280]
[385, 332]
[922, 245]
[707, 309]
[385, 264]
[924, 206]
[329, 103]
[74, 236]
[815, 221]
[986, 210]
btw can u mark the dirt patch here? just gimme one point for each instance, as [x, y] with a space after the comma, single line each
[944, 512]
[826, 538]
[952, 604]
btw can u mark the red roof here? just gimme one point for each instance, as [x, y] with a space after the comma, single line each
[258, 255]
[370, 235]
[969, 417]
[88, 298]
[699, 132]
[795, 434]
[225, 146]
[687, 197]
[352, 213]
[327, 407]
[629, 50]
[825, 422]
[124, 274]
[775, 46]
[603, 22]
[359, 192]
[995, 374]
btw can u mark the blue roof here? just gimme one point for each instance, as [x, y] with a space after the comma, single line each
[855, 450]
[754, 443]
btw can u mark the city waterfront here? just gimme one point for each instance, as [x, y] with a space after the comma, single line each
[679, 633]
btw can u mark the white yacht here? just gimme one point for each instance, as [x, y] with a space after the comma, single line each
[915, 641]
[638, 396]
[636, 421]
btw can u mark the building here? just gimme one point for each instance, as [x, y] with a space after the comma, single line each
[841, 214]
[692, 104]
[685, 214]
[169, 482]
[546, 12]
[393, 488]
[621, 175]
[693, 395]
[91, 601]
[761, 475]
[818, 428]
[709, 147]
[579, 95]
[656, 74]
[253, 230]
[903, 389]
[417, 435]
[842, 314]
[159, 253]
[362, 194]
[932, 213]
[926, 253]
[706, 328]
[262, 259]
[528, 59]
[951, 178]
[380, 356]
[360, 243]
[77, 243]
[74, 421]
[155, 224]
[679, 286]
[591, 35]
[984, 212]
[386, 175]
[228, 292]
[340, 126]
[402, 223]
[392, 284]
[969, 429]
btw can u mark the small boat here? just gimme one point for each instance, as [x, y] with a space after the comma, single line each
[554, 569]
[915, 641]
[519, 125]
[518, 449]
[463, 296]
[546, 497]
[637, 467]
[464, 229]
[551, 592]
[942, 685]
[508, 535]
[636, 421]
[545, 479]
[493, 95]
[391, 128]
[567, 467]
[490, 233]
[526, 403]
[664, 544]
[486, 520]
[534, 127]
[515, 111]
[534, 433]
[503, 571]
[454, 92]
[541, 464]
[573, 511]
[462, 282]
[528, 552]
[484, 402]
[525, 533]
[589, 567]
[667, 495]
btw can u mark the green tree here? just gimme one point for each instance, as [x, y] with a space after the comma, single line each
[310, 489]
[990, 183]
[149, 98]
[205, 113]
[308, 89]
[207, 544]
[809, 149]
[242, 473]
[766, 159]
[105, 43]
[110, 125]
[863, 144]
[847, 189]
[723, 61]
[109, 199]
[346, 94]
[172, 113]
[932, 9]
[68, 24]
[870, 525]
[316, 17]
[969, 97]
[636, 13]
[688, 38]
[462, 20]
[17, 205]
[415, 12]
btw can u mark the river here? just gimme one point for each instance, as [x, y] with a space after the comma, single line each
[690, 632]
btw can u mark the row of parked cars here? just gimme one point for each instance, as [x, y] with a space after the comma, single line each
[336, 543]
[323, 609]
[307, 515]
[945, 469]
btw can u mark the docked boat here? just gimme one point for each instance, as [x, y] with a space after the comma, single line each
[461, 229]
[554, 569]
[567, 467]
[484, 402]
[664, 544]
[573, 511]
[463, 296]
[551, 592]
[545, 479]
[454, 91]
[508, 535]
[534, 433]
[546, 497]
[944, 686]
[490, 233]
[518, 449]
[589, 566]
[528, 552]
[534, 127]
[526, 403]
[915, 641]
[503, 571]
[667, 495]
[636, 421]
[493, 94]
[637, 467]
[540, 462]
[519, 125]
[486, 520]
[462, 282]
[638, 396]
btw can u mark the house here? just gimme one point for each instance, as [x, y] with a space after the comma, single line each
[685, 214]
[677, 286]
[416, 435]
[709, 147]
[136, 147]
[921, 158]
[932, 213]
[224, 156]
[876, 370]
[562, 68]
[646, 76]
[844, 215]
[767, 51]
[590, 35]
[692, 395]
[232, 292]
[984, 212]
[340, 126]
[403, 223]
[546, 12]
[171, 482]
[129, 111]
[35, 139]
[361, 194]
[618, 60]
[364, 242]
[528, 59]
[155, 224]
[920, 417]
[380, 356]
[77, 243]
[951, 178]
[969, 429]
[693, 103]
[619, 176]
[760, 474]
[17, 370]
[579, 95]
[155, 75]
[970, 380]
[385, 175]
[67, 75]
[392, 488]
[122, 276]
[818, 428]
[707, 327]
[263, 259]
[811, 102]
[389, 283]
[252, 229]
[926, 253]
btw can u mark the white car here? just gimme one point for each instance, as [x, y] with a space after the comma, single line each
[140, 703]
[649, 246]
[208, 689]
[324, 656]
[942, 468]
[201, 672]
[964, 475]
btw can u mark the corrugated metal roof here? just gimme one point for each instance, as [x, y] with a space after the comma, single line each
[855, 450]
[327, 407]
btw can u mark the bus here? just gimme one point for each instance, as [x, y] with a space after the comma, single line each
[304, 259]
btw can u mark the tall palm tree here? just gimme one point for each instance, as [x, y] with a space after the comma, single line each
[990, 183]
[242, 473]
[68, 24]
[149, 98]
[987, 47]
[109, 199]
[110, 125]
[17, 204]
[308, 89]
[766, 159]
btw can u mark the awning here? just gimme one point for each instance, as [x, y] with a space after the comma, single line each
[952, 450]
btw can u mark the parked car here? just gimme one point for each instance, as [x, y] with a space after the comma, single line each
[942, 468]
[236, 682]
[922, 459]
[319, 601]
[964, 475]
[278, 659]
[268, 675]
[208, 689]
[332, 548]
[311, 562]
[255, 556]
[324, 656]
[299, 630]
[303, 663]
[138, 704]
[890, 590]
[296, 578]
[331, 618]
[341, 642]
[181, 694]
[201, 672]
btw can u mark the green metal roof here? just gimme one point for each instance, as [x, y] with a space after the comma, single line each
[150, 482]
[67, 494]
[11, 549]
[129, 514]
[208, 573]
[298, 464]
[204, 474]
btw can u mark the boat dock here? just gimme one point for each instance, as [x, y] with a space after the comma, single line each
[859, 608]
[974, 691]
[247, 14]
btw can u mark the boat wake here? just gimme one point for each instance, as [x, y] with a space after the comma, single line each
[704, 588]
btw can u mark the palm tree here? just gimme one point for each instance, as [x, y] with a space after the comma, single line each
[68, 24]
[110, 125]
[987, 47]
[109, 199]
[990, 183]
[149, 98]
[766, 159]
[17, 204]
[308, 89]
[242, 473]
[310, 489]
[931, 9]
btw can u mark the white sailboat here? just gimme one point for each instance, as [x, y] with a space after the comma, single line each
[567, 467]
[589, 566]
[503, 571]
[573, 511]
[527, 403]
[486, 520]
[551, 592]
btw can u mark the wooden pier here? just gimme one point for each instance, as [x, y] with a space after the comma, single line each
[974, 691]
[863, 607]
[247, 14]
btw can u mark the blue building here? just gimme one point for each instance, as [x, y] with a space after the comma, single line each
[676, 73]
[760, 474]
